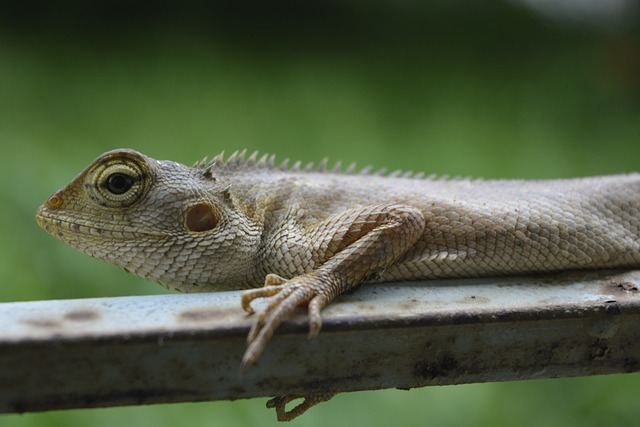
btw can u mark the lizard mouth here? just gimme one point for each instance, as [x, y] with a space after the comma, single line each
[56, 225]
[59, 226]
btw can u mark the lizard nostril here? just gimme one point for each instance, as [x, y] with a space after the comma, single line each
[55, 201]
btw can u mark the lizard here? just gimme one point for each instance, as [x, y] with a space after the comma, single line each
[309, 234]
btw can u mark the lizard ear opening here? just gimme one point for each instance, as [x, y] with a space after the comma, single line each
[200, 218]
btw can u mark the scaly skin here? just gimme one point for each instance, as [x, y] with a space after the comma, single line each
[310, 235]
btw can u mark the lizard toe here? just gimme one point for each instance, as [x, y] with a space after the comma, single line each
[279, 404]
[253, 294]
[315, 318]
[279, 308]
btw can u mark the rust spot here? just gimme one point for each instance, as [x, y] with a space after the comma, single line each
[625, 286]
[201, 315]
[410, 304]
[42, 323]
[82, 315]
[474, 299]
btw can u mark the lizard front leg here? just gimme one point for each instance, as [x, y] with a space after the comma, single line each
[358, 244]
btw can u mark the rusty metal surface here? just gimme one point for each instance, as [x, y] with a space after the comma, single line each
[174, 348]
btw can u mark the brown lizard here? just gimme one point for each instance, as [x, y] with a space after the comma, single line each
[310, 234]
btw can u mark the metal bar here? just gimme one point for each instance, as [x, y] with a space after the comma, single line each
[176, 348]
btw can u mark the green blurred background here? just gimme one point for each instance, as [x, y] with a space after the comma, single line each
[493, 89]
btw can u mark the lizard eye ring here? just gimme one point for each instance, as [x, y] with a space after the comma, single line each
[118, 182]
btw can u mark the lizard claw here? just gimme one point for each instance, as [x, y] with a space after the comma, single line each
[280, 402]
[284, 297]
[272, 285]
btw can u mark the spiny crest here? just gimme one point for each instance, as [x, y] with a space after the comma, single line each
[238, 160]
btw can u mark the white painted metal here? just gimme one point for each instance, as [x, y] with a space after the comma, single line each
[187, 347]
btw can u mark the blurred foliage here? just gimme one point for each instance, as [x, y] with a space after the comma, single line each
[463, 88]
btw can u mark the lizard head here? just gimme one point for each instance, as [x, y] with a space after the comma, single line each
[158, 219]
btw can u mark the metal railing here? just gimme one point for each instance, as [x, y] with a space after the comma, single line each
[187, 347]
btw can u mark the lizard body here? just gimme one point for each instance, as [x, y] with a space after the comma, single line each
[310, 234]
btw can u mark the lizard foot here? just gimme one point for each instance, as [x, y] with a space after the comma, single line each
[280, 402]
[284, 297]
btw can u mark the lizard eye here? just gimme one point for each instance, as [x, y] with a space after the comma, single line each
[119, 183]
